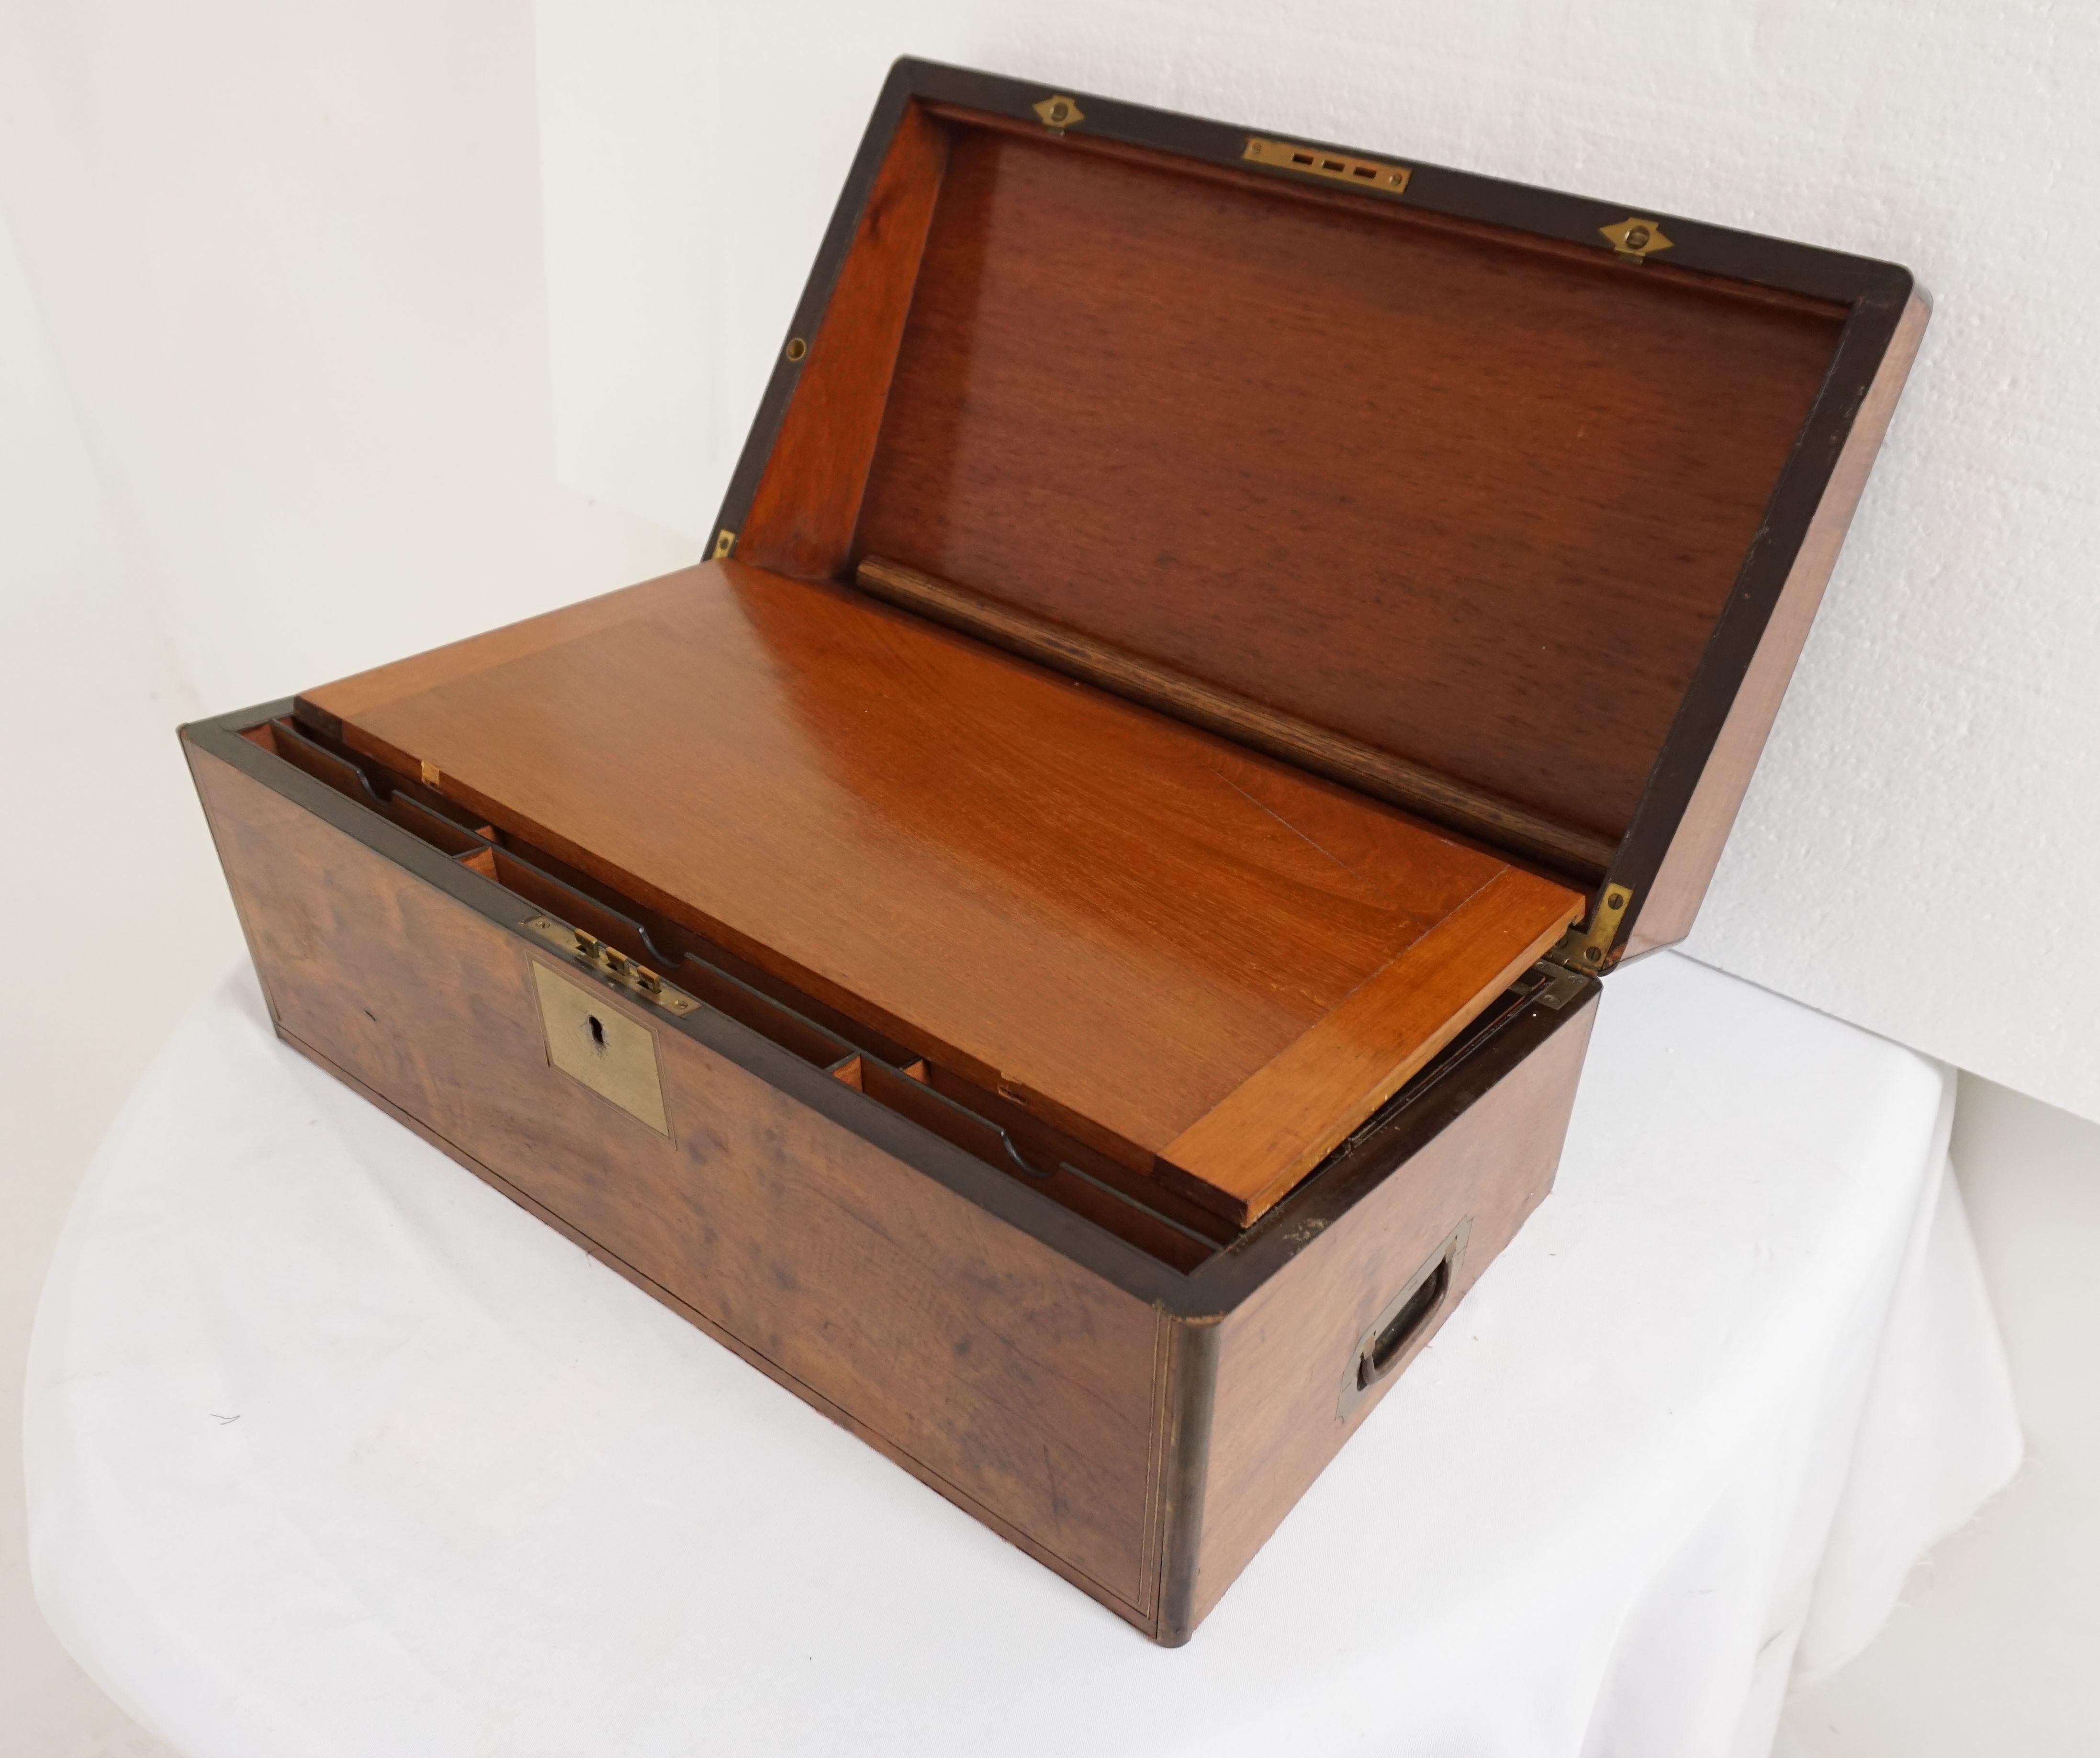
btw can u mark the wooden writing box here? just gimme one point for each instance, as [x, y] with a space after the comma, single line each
[1069, 941]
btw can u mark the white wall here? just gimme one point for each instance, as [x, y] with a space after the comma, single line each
[1917, 851]
[117, 916]
[289, 259]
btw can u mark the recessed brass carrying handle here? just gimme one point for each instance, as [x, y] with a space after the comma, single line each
[1406, 1318]
[1376, 1358]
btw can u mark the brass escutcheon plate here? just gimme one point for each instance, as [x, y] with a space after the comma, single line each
[594, 1043]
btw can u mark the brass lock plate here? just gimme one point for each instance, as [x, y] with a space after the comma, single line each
[1320, 161]
[597, 1044]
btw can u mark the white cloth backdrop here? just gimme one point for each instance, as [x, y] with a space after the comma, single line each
[332, 1451]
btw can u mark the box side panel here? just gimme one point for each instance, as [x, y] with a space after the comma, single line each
[1013, 1380]
[1286, 1395]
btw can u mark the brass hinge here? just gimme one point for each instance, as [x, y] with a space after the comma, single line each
[1318, 161]
[1635, 240]
[1590, 949]
[609, 961]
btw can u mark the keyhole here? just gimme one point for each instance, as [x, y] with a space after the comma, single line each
[598, 1033]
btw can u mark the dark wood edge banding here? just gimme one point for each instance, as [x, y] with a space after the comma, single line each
[1240, 172]
[1810, 270]
[1333, 755]
[1191, 1399]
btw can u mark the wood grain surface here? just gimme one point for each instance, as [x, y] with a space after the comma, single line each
[1476, 501]
[1263, 1137]
[1008, 1376]
[1111, 918]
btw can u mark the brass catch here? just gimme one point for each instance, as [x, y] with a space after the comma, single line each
[1636, 240]
[1557, 984]
[631, 975]
[1059, 113]
[1590, 950]
[1318, 161]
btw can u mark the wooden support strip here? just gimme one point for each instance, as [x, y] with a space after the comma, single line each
[1339, 758]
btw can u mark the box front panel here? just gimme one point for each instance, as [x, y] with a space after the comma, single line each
[1014, 1380]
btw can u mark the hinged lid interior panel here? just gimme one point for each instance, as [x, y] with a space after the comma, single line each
[1495, 487]
[1470, 497]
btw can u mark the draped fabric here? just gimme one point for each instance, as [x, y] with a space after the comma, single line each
[332, 1449]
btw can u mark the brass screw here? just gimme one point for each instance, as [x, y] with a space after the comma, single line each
[797, 348]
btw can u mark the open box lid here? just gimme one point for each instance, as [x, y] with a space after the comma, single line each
[1512, 507]
[1505, 511]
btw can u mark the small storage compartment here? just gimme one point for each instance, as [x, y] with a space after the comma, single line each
[1201, 965]
[594, 924]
